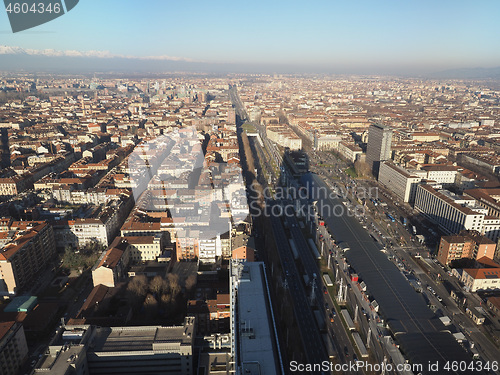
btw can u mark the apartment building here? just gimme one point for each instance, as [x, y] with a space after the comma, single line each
[13, 347]
[244, 253]
[487, 198]
[467, 244]
[489, 162]
[284, 136]
[111, 266]
[454, 213]
[11, 186]
[485, 278]
[400, 181]
[25, 257]
[100, 228]
[145, 248]
[187, 244]
[212, 315]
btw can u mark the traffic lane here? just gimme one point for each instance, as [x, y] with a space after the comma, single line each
[349, 230]
[343, 224]
[344, 348]
[307, 328]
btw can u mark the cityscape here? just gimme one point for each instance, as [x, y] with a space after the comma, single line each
[249, 215]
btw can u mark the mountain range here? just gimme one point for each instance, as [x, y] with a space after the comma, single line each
[73, 61]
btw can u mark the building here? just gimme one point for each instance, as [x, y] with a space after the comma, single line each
[451, 212]
[467, 244]
[400, 181]
[454, 213]
[111, 267]
[212, 316]
[244, 253]
[487, 278]
[11, 186]
[284, 136]
[296, 161]
[145, 248]
[378, 148]
[441, 174]
[494, 304]
[99, 229]
[87, 349]
[326, 142]
[22, 260]
[489, 162]
[187, 244]
[252, 345]
[487, 198]
[349, 150]
[210, 247]
[13, 347]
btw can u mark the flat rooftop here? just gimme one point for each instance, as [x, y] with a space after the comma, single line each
[256, 349]
[146, 338]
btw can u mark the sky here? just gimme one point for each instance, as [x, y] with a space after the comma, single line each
[400, 35]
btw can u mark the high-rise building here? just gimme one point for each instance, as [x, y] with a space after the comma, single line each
[24, 258]
[5, 150]
[13, 347]
[468, 244]
[379, 146]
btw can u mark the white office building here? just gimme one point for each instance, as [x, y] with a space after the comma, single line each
[400, 181]
[453, 213]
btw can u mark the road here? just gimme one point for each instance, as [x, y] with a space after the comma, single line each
[311, 340]
[405, 311]
[323, 301]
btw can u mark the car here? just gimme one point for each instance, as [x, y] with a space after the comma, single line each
[346, 351]
[331, 318]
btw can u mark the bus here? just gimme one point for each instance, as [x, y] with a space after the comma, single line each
[389, 216]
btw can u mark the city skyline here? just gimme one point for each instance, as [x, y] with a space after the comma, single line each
[359, 38]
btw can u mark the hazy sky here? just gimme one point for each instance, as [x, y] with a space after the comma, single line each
[404, 34]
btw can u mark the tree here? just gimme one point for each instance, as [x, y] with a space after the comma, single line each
[165, 301]
[158, 285]
[173, 285]
[190, 282]
[150, 305]
[137, 289]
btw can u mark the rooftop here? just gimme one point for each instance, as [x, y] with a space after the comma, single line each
[256, 341]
